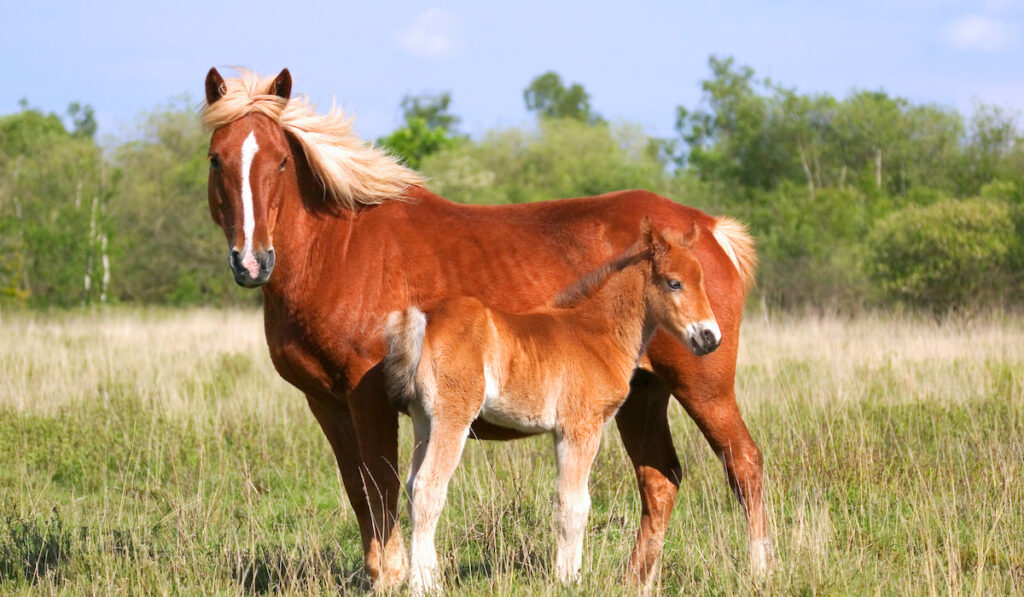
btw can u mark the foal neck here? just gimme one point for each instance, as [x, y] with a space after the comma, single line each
[618, 307]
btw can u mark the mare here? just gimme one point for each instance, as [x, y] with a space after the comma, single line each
[337, 234]
[562, 369]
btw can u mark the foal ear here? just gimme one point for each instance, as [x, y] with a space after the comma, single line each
[214, 86]
[645, 231]
[282, 86]
[653, 240]
[691, 235]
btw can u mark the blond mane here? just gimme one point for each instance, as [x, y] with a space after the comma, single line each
[352, 172]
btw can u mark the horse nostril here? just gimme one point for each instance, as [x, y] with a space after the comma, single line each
[235, 259]
[708, 337]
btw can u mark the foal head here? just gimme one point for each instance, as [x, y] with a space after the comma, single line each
[675, 296]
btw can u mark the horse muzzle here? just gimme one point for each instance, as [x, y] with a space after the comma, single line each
[252, 269]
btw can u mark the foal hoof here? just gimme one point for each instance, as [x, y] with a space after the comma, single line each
[424, 583]
[762, 557]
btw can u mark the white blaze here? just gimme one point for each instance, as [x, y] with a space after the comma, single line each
[249, 149]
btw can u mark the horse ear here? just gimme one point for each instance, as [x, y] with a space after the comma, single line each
[282, 86]
[691, 235]
[214, 86]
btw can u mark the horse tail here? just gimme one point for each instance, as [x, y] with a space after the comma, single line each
[404, 332]
[737, 243]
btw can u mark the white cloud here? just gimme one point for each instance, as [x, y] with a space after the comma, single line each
[431, 34]
[978, 32]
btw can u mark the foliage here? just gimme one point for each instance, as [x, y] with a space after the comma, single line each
[812, 174]
[548, 97]
[949, 254]
[434, 109]
[54, 191]
[172, 252]
[560, 158]
[757, 134]
[429, 127]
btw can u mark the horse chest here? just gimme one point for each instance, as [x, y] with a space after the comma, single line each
[315, 363]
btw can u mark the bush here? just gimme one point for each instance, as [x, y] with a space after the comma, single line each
[560, 158]
[949, 255]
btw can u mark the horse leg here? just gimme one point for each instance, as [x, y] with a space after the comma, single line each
[643, 425]
[337, 426]
[429, 489]
[376, 426]
[575, 451]
[720, 421]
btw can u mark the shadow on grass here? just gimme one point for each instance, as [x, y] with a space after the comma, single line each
[31, 549]
[274, 569]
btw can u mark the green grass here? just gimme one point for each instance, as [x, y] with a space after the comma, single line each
[156, 452]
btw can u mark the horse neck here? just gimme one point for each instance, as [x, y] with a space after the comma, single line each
[309, 231]
[621, 302]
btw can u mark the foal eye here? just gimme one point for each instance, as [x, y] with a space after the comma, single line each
[675, 285]
[284, 163]
[214, 163]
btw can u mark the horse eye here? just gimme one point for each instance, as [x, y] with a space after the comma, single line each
[214, 163]
[284, 162]
[675, 285]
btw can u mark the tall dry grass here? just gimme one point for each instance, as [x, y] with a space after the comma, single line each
[157, 452]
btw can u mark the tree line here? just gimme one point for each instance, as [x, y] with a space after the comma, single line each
[864, 200]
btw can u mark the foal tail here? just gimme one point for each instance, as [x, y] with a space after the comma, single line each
[404, 333]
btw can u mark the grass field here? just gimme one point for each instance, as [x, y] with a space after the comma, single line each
[157, 452]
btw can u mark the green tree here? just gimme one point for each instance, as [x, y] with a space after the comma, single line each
[548, 97]
[83, 120]
[168, 250]
[54, 191]
[560, 158]
[429, 127]
[949, 255]
[434, 109]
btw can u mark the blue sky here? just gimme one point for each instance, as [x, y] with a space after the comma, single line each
[638, 60]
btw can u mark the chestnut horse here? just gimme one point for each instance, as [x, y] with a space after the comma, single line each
[562, 369]
[338, 234]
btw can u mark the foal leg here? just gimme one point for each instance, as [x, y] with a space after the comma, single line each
[643, 425]
[429, 489]
[575, 451]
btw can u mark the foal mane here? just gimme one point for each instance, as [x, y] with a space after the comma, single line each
[353, 172]
[593, 281]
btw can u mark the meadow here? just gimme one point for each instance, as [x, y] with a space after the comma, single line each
[156, 451]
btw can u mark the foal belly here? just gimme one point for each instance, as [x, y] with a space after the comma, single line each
[527, 412]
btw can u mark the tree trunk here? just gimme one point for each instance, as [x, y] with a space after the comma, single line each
[878, 167]
[807, 169]
[106, 268]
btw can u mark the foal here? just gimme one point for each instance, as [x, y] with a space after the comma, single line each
[562, 369]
